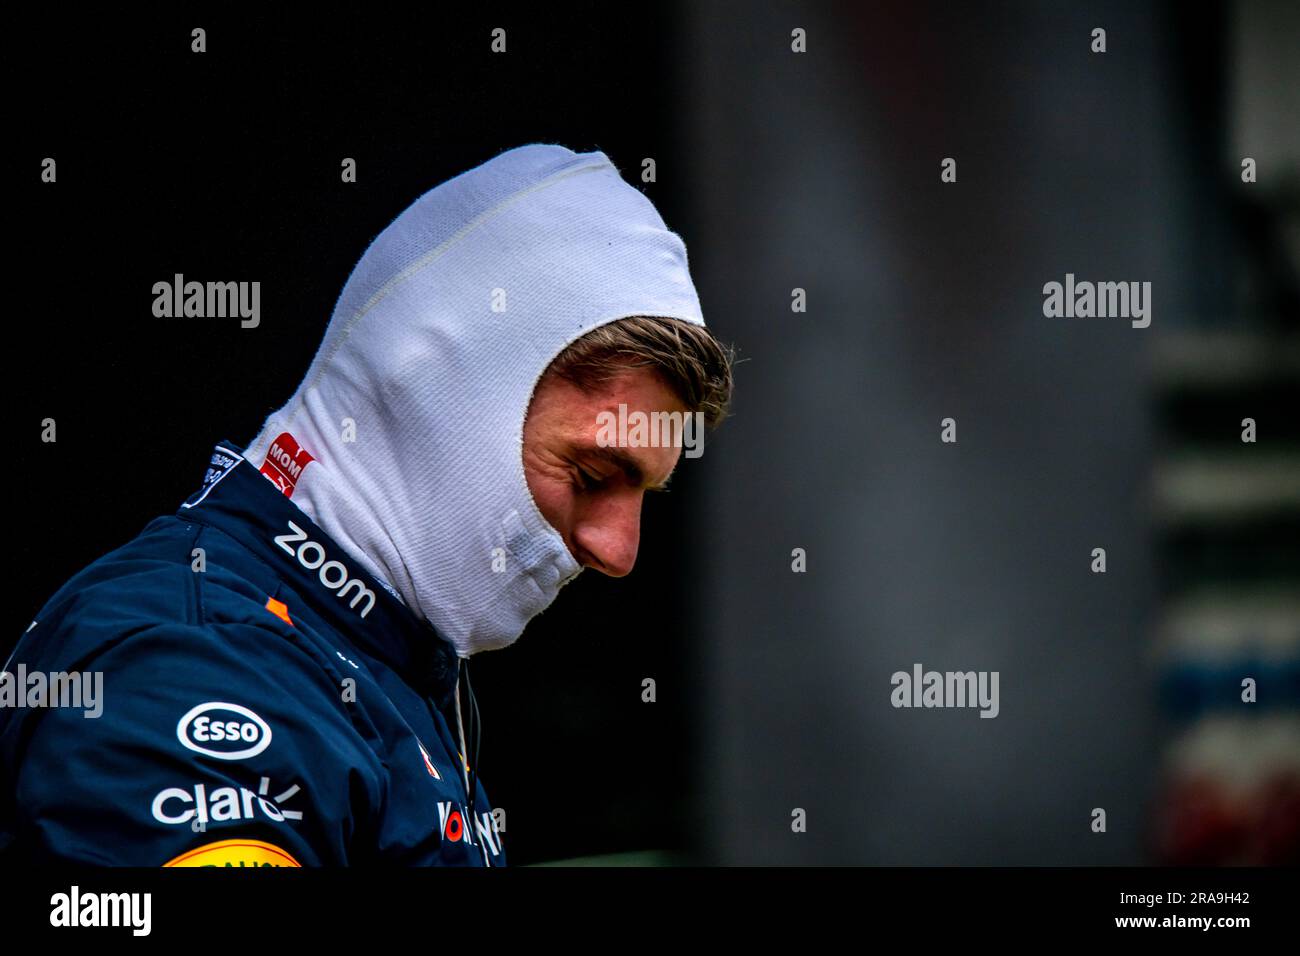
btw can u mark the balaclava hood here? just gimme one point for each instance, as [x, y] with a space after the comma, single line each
[404, 441]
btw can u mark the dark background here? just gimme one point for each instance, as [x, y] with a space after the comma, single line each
[818, 171]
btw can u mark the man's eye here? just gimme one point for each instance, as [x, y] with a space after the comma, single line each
[585, 479]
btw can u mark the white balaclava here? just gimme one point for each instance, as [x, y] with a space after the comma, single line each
[410, 419]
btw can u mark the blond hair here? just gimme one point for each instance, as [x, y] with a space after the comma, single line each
[692, 363]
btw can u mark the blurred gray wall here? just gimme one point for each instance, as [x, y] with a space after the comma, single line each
[822, 171]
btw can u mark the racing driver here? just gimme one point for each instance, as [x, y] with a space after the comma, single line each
[284, 660]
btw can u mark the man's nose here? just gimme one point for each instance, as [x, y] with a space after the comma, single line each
[610, 534]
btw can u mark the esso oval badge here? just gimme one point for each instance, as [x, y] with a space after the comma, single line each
[225, 731]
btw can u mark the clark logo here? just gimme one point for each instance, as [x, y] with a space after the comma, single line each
[197, 807]
[225, 731]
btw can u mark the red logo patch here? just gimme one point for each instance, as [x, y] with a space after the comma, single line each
[428, 764]
[285, 462]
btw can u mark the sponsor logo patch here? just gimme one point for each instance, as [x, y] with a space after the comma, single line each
[285, 462]
[196, 806]
[225, 731]
[219, 465]
[333, 575]
[428, 764]
[451, 820]
[235, 853]
[279, 609]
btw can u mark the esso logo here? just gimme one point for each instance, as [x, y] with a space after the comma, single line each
[224, 731]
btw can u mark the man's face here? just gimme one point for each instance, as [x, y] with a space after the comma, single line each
[592, 494]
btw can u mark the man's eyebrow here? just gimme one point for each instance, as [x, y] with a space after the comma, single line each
[621, 459]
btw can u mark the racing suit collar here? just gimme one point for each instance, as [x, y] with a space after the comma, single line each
[238, 500]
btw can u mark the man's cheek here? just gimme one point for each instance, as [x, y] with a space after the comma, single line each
[557, 501]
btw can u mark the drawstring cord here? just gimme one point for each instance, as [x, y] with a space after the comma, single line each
[469, 771]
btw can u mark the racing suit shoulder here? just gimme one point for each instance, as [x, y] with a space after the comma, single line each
[207, 728]
[260, 701]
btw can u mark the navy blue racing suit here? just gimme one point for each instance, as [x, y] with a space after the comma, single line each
[249, 696]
